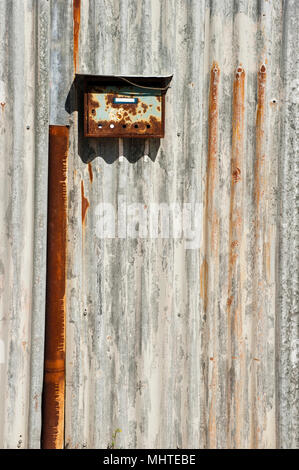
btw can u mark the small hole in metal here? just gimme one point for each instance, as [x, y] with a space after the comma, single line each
[100, 126]
[111, 125]
[148, 126]
[124, 126]
[135, 125]
[93, 111]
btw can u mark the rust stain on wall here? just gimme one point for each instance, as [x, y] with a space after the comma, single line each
[260, 252]
[54, 367]
[90, 172]
[84, 203]
[213, 132]
[76, 21]
[234, 307]
[260, 132]
[211, 242]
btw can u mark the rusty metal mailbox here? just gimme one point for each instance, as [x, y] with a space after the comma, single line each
[124, 109]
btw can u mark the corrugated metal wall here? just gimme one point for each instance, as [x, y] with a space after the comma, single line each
[24, 120]
[176, 346]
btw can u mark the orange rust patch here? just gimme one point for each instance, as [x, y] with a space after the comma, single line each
[84, 203]
[90, 172]
[236, 174]
[144, 107]
[54, 375]
[2, 105]
[76, 20]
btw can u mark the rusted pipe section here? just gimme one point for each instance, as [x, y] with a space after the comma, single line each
[76, 30]
[236, 367]
[54, 367]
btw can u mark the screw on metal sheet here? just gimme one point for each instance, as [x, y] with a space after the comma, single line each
[27, 127]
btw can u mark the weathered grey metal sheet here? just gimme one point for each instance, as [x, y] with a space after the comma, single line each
[287, 276]
[176, 344]
[24, 28]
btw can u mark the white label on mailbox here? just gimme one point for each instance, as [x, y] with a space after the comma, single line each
[125, 100]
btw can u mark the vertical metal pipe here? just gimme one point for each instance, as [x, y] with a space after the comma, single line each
[54, 367]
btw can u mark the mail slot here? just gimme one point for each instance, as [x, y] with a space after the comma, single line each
[123, 109]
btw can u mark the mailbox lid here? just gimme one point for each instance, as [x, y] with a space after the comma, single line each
[124, 111]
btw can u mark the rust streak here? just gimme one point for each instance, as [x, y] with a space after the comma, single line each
[213, 133]
[54, 375]
[260, 131]
[76, 20]
[84, 203]
[234, 311]
[211, 244]
[90, 172]
[260, 271]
